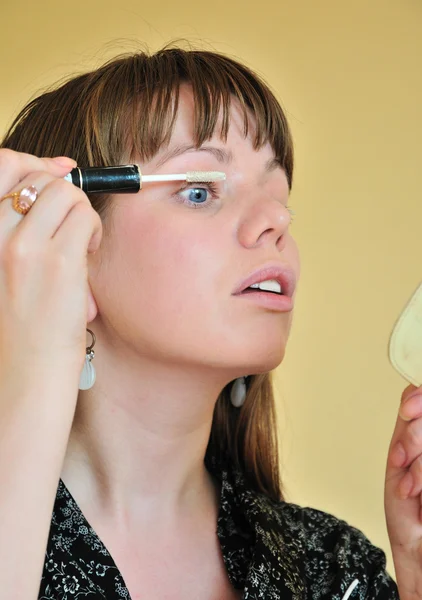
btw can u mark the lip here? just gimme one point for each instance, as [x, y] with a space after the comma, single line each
[269, 300]
[281, 273]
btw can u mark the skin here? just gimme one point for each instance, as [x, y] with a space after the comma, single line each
[170, 334]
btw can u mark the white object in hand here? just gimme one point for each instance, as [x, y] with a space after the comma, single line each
[405, 347]
[190, 177]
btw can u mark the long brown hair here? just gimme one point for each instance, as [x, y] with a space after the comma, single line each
[129, 106]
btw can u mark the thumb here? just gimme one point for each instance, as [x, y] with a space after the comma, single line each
[410, 391]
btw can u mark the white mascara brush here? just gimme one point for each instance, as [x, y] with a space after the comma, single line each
[128, 179]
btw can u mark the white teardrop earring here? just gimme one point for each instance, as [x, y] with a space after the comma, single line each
[88, 375]
[238, 392]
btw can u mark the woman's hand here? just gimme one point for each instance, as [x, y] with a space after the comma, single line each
[403, 495]
[44, 292]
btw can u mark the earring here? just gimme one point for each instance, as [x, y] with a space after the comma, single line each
[238, 392]
[88, 375]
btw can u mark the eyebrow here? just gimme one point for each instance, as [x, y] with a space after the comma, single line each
[220, 154]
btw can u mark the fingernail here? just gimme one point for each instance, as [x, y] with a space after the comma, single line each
[404, 417]
[65, 161]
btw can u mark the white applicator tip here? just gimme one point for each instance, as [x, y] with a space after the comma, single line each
[204, 176]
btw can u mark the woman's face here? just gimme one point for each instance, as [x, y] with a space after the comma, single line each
[164, 279]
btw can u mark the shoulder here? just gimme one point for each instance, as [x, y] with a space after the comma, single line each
[332, 553]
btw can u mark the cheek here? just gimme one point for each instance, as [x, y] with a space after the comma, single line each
[168, 258]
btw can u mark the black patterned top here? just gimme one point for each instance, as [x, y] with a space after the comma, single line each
[272, 551]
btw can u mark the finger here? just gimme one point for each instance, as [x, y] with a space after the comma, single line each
[404, 416]
[416, 472]
[80, 233]
[411, 407]
[411, 441]
[14, 166]
[408, 411]
[10, 218]
[411, 390]
[410, 469]
[55, 199]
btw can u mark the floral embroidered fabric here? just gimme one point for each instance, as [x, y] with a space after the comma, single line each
[272, 551]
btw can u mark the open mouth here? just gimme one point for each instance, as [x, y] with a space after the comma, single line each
[254, 290]
[270, 297]
[269, 286]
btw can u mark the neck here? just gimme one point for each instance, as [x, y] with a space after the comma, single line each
[138, 442]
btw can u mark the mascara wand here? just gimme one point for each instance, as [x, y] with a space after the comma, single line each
[128, 179]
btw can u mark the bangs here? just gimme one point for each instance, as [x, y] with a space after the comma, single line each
[215, 81]
[129, 105]
[134, 111]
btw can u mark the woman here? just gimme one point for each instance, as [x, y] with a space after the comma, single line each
[158, 479]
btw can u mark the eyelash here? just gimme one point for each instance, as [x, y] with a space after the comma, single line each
[212, 189]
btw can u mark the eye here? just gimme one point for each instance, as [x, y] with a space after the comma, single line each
[197, 196]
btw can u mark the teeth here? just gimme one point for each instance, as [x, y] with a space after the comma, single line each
[270, 286]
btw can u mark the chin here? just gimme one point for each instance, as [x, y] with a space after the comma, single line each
[264, 361]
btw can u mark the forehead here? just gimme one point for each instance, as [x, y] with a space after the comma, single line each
[185, 119]
[225, 151]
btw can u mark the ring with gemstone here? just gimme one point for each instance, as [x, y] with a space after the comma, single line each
[23, 200]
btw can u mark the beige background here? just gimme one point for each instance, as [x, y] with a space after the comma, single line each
[349, 76]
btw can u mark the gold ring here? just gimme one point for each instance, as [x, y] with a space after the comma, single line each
[23, 200]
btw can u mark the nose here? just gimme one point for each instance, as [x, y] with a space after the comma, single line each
[266, 222]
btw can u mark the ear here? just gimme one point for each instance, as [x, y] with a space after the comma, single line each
[92, 306]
